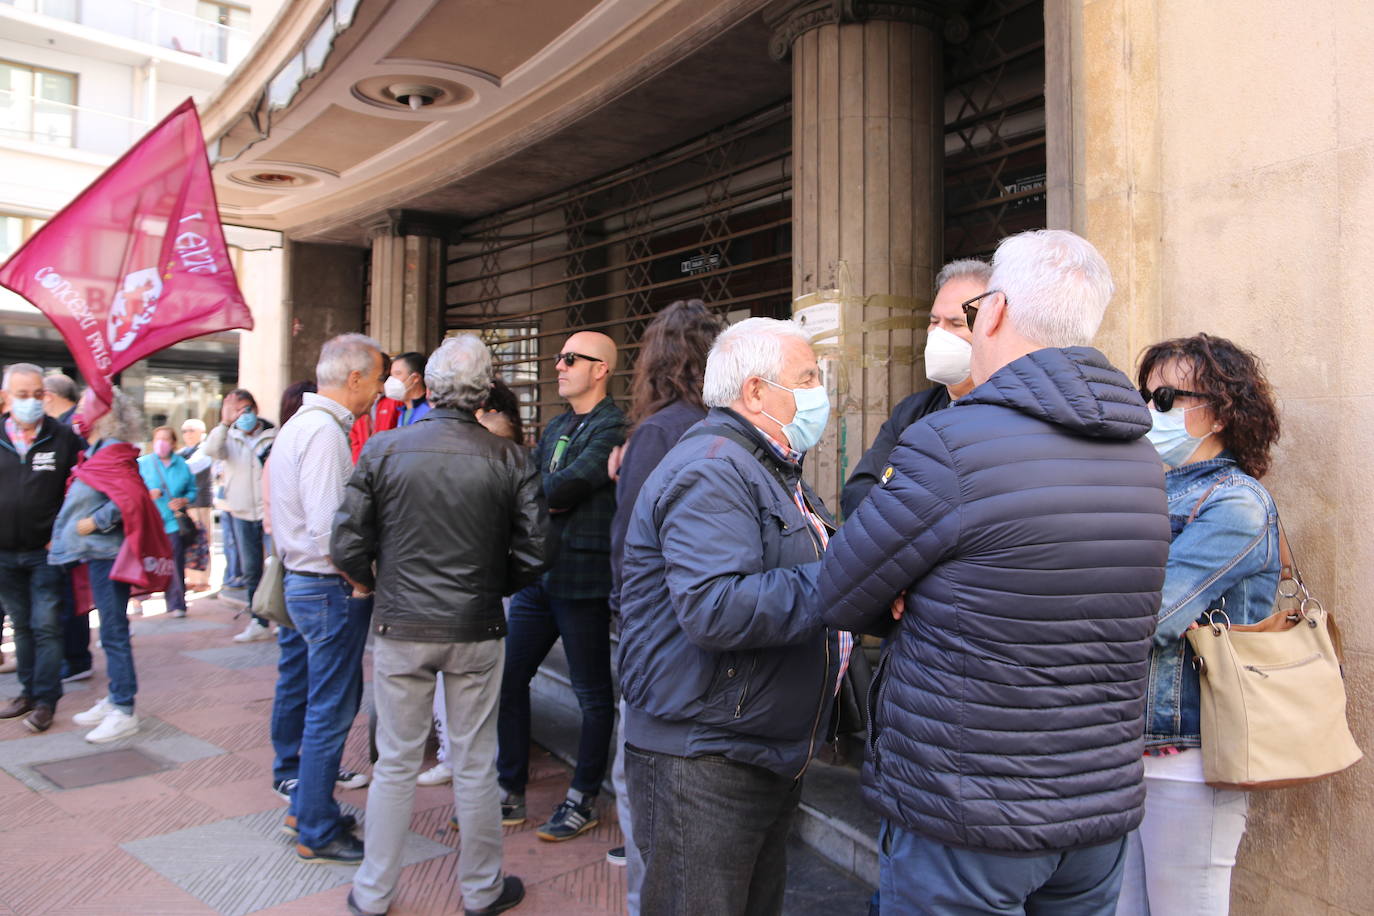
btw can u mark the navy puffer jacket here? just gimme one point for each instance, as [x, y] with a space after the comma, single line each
[1027, 526]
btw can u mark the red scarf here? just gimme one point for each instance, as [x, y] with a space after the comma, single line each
[145, 557]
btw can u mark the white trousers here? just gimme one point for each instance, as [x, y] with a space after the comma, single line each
[1179, 861]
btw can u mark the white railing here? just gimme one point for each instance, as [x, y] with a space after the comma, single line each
[29, 120]
[151, 22]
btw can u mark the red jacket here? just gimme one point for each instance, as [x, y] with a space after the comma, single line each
[145, 558]
[388, 414]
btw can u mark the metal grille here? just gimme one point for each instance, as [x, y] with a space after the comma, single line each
[709, 219]
[995, 127]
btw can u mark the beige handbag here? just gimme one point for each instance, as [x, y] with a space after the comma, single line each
[1273, 695]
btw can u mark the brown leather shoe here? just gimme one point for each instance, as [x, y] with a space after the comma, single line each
[40, 720]
[16, 708]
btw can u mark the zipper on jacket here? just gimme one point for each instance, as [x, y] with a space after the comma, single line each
[870, 703]
[820, 709]
[744, 694]
[1261, 669]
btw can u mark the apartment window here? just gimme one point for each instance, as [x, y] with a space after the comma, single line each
[37, 105]
[14, 231]
[227, 26]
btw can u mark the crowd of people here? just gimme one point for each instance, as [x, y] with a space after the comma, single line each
[1029, 539]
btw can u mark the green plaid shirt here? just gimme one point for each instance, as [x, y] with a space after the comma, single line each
[571, 456]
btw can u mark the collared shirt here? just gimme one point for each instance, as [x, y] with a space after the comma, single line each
[311, 463]
[794, 457]
[20, 438]
[414, 412]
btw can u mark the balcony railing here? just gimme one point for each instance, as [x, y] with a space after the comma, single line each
[29, 120]
[149, 22]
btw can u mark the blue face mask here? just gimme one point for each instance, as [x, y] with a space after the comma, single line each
[1170, 437]
[813, 412]
[26, 410]
[246, 421]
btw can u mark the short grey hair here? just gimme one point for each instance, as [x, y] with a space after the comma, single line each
[458, 374]
[124, 421]
[194, 423]
[59, 384]
[1056, 284]
[971, 268]
[21, 369]
[752, 348]
[343, 355]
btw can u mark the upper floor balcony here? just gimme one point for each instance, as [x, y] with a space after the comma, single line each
[208, 29]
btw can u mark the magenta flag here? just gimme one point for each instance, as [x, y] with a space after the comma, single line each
[137, 262]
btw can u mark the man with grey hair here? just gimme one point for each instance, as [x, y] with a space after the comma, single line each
[948, 350]
[1018, 541]
[728, 672]
[453, 519]
[37, 453]
[59, 397]
[319, 667]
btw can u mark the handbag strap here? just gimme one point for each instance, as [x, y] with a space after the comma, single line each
[166, 487]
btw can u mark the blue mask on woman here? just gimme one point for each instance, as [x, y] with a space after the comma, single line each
[1170, 437]
[247, 421]
[813, 412]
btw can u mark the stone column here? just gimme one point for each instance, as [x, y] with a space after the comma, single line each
[409, 264]
[867, 155]
[322, 293]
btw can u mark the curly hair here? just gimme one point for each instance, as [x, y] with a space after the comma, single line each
[503, 401]
[671, 365]
[1238, 393]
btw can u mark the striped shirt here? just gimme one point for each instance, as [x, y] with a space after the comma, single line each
[311, 463]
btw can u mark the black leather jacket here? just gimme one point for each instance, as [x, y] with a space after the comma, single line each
[453, 517]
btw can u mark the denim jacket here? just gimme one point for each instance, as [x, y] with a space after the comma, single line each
[82, 501]
[1229, 552]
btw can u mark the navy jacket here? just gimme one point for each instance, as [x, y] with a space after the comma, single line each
[32, 488]
[870, 467]
[722, 647]
[1028, 529]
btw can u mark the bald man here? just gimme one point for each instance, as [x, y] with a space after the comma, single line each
[570, 600]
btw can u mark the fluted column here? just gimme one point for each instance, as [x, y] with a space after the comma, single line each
[867, 160]
[409, 262]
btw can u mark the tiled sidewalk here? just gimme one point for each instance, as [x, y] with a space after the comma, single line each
[189, 824]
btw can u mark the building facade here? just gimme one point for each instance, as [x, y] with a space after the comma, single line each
[531, 167]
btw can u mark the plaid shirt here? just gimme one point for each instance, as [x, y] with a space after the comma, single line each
[581, 498]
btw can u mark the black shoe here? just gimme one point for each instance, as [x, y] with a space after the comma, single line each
[512, 892]
[284, 788]
[616, 856]
[357, 910]
[347, 824]
[40, 720]
[344, 849]
[569, 820]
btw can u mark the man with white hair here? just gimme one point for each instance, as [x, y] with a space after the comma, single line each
[728, 672]
[453, 518]
[319, 668]
[59, 397]
[1019, 540]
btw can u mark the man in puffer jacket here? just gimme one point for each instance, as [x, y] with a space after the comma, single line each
[1020, 537]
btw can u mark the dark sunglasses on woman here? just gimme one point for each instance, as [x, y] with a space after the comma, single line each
[1164, 395]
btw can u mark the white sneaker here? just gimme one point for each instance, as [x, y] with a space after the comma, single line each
[118, 724]
[436, 775]
[96, 714]
[254, 632]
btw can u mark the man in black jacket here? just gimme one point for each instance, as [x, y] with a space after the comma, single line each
[948, 350]
[454, 519]
[571, 600]
[37, 453]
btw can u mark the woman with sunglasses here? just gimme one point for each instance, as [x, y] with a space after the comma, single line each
[1214, 423]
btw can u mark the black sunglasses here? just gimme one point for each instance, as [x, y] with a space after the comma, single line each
[1164, 395]
[570, 359]
[971, 310]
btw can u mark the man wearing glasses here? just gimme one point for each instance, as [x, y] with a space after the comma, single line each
[949, 348]
[570, 600]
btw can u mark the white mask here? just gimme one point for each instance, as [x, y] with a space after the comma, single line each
[948, 357]
[394, 388]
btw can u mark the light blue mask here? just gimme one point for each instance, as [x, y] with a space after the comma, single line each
[246, 421]
[26, 410]
[813, 412]
[1170, 437]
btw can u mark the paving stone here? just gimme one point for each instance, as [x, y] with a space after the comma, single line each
[239, 656]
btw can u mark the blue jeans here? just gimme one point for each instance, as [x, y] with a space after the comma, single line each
[288, 707]
[248, 539]
[175, 594]
[919, 875]
[76, 632]
[232, 573]
[112, 600]
[536, 621]
[333, 627]
[31, 593]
